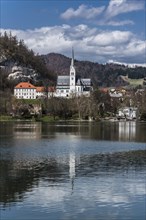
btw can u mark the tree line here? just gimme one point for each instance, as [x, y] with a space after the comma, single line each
[98, 105]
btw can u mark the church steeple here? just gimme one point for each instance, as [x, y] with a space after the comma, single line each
[72, 74]
[72, 60]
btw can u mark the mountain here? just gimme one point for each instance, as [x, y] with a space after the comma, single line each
[101, 75]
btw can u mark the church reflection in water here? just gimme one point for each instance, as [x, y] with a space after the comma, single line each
[72, 167]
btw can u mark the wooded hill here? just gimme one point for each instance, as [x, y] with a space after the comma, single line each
[16, 53]
[101, 75]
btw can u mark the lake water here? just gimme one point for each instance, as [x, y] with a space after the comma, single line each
[73, 171]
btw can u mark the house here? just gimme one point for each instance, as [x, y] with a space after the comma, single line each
[40, 92]
[69, 85]
[115, 93]
[25, 90]
[128, 113]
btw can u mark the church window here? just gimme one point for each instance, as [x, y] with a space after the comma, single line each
[72, 73]
[72, 78]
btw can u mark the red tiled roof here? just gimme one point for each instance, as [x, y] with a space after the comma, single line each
[25, 85]
[40, 89]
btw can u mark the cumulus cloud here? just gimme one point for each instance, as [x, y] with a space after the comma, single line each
[89, 43]
[82, 12]
[117, 7]
[111, 38]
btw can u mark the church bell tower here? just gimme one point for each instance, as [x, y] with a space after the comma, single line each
[72, 74]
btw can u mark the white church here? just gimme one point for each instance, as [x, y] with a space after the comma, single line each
[69, 86]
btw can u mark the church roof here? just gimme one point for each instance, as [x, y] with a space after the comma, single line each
[84, 82]
[63, 80]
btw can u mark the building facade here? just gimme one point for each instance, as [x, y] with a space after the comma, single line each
[25, 90]
[128, 113]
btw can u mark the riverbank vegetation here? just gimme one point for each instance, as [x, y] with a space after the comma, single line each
[98, 106]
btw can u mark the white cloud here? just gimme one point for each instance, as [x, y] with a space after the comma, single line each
[118, 23]
[82, 12]
[89, 43]
[117, 7]
[111, 38]
[104, 14]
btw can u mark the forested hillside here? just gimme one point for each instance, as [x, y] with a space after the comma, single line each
[17, 63]
[101, 75]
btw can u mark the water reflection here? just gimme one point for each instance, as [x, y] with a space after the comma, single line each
[115, 131]
[27, 130]
[127, 130]
[73, 171]
[22, 176]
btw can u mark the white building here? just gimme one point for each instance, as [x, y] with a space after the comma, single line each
[68, 86]
[128, 113]
[25, 90]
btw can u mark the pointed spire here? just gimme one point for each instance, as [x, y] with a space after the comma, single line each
[72, 61]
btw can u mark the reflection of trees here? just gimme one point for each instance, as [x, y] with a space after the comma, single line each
[99, 164]
[21, 176]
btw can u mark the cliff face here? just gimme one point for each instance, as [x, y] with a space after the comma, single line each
[21, 73]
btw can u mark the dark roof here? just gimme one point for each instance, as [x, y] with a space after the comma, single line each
[84, 82]
[63, 80]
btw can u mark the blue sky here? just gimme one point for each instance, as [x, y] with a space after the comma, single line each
[99, 30]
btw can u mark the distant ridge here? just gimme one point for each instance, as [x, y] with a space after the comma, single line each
[100, 74]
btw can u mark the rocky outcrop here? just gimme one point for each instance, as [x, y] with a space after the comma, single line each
[22, 73]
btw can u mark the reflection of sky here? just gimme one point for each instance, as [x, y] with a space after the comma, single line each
[78, 192]
[105, 192]
[89, 193]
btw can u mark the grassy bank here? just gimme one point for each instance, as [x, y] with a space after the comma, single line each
[47, 118]
[6, 118]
